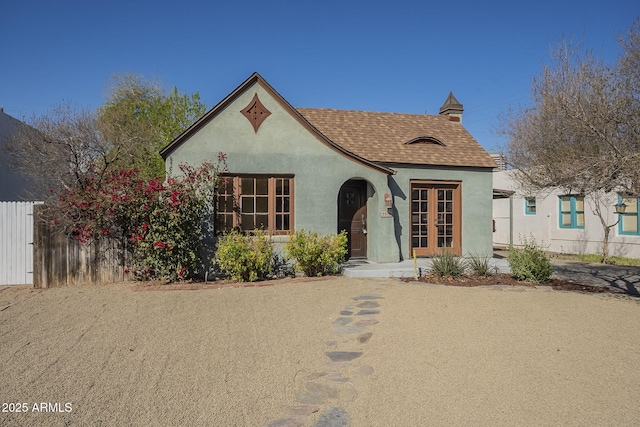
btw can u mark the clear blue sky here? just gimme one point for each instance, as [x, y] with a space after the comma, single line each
[399, 56]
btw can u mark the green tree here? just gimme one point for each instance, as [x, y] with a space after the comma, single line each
[140, 117]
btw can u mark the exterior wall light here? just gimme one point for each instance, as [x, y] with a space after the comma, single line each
[620, 207]
[388, 202]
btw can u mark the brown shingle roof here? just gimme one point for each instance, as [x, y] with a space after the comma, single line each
[385, 137]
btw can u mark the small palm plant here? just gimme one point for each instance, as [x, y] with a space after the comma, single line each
[479, 265]
[446, 264]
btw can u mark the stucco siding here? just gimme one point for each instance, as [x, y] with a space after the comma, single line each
[476, 205]
[283, 146]
[512, 225]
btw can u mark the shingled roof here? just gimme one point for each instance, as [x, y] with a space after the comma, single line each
[378, 140]
[392, 138]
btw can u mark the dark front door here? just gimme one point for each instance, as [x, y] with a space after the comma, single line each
[352, 217]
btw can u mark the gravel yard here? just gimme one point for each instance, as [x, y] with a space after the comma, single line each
[368, 352]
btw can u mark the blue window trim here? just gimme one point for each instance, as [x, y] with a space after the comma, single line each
[636, 214]
[527, 207]
[574, 213]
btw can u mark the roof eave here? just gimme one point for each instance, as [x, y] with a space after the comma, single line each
[435, 165]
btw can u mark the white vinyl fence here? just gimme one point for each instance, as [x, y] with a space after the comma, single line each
[16, 243]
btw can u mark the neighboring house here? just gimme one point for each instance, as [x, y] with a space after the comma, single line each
[398, 183]
[500, 159]
[16, 214]
[562, 222]
[13, 185]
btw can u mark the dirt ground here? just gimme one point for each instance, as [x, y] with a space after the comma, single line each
[333, 352]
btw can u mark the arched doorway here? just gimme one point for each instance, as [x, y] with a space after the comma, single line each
[352, 216]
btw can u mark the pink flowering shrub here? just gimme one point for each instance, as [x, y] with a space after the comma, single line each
[159, 222]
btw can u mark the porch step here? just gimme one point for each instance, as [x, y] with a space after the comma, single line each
[403, 269]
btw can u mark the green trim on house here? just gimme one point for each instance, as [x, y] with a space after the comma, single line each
[575, 215]
[628, 216]
[530, 205]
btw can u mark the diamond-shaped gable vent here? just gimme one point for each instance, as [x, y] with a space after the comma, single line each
[255, 112]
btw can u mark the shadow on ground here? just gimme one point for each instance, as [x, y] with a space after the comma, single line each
[625, 279]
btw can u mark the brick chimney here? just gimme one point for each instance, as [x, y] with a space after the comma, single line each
[452, 108]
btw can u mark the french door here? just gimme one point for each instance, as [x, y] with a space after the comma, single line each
[435, 218]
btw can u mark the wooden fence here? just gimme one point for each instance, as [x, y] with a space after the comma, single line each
[59, 260]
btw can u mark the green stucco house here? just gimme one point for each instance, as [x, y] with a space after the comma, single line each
[398, 183]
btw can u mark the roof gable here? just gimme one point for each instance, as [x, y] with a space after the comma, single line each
[255, 78]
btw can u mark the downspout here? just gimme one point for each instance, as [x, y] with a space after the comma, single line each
[510, 221]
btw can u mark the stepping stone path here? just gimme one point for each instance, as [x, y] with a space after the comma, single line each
[332, 383]
[333, 417]
[368, 304]
[364, 370]
[363, 338]
[366, 297]
[317, 393]
[343, 356]
[286, 422]
[367, 312]
[341, 321]
[365, 322]
[338, 378]
[346, 330]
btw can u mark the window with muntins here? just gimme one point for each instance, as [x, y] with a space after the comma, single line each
[261, 202]
[629, 219]
[571, 211]
[530, 205]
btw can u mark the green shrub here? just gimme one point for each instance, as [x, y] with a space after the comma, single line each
[317, 255]
[479, 265]
[447, 264]
[159, 222]
[245, 258]
[530, 263]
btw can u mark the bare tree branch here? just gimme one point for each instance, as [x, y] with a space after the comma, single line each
[580, 132]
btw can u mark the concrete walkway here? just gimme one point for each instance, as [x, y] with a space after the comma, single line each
[406, 268]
